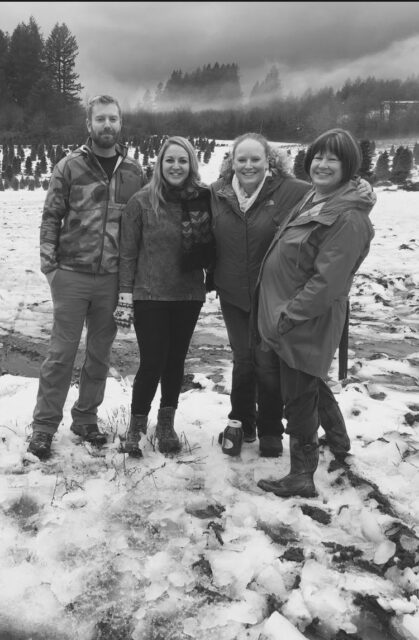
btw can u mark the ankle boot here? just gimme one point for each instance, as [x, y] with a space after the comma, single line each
[299, 481]
[137, 427]
[165, 433]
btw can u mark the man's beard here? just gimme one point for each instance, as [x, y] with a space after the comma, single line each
[105, 140]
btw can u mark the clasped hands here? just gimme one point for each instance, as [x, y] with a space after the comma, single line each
[124, 312]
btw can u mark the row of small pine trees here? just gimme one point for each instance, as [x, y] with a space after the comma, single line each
[41, 159]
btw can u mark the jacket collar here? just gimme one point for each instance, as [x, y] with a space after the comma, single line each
[225, 190]
[347, 197]
[121, 149]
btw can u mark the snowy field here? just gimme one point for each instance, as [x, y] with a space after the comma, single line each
[98, 546]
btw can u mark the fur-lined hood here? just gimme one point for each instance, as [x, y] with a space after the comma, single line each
[276, 160]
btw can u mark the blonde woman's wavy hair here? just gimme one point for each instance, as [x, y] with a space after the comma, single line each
[156, 185]
[276, 160]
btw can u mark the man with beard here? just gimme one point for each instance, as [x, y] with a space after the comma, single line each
[79, 243]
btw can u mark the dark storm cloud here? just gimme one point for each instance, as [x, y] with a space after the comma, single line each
[134, 45]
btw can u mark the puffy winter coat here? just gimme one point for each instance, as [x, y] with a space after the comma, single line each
[306, 277]
[151, 251]
[81, 217]
[242, 239]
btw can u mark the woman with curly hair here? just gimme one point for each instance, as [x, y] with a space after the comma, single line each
[253, 196]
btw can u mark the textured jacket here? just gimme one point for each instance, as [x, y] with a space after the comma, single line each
[151, 252]
[242, 239]
[306, 277]
[81, 217]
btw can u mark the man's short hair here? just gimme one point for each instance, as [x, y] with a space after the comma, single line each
[103, 99]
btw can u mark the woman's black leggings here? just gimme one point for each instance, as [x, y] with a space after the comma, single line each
[164, 330]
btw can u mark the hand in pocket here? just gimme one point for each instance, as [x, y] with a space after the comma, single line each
[50, 276]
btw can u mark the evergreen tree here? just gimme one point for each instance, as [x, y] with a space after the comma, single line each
[61, 50]
[25, 60]
[382, 168]
[299, 170]
[59, 153]
[4, 52]
[16, 165]
[365, 170]
[402, 165]
[43, 164]
[8, 173]
[268, 89]
[28, 166]
[416, 153]
[207, 155]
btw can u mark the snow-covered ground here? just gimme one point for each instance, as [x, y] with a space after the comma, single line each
[98, 546]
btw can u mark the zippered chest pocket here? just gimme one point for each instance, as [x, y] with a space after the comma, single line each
[126, 184]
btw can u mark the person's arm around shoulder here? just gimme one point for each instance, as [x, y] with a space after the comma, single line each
[55, 208]
[131, 228]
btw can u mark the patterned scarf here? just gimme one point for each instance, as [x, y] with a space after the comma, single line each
[198, 244]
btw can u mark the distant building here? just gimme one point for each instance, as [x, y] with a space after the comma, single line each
[391, 108]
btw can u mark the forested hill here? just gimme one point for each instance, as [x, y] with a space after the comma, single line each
[40, 99]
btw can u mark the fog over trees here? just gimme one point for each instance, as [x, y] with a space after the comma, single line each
[40, 99]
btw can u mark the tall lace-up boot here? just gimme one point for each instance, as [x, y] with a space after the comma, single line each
[299, 481]
[168, 441]
[137, 427]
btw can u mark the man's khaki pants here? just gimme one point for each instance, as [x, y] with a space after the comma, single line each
[78, 298]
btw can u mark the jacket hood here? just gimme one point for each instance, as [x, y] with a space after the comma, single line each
[223, 186]
[276, 161]
[347, 197]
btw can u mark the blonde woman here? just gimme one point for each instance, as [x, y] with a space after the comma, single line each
[166, 243]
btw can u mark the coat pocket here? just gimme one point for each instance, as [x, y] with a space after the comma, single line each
[126, 184]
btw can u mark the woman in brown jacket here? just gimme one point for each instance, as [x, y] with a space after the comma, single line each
[303, 289]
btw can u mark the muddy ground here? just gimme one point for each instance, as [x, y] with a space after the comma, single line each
[209, 352]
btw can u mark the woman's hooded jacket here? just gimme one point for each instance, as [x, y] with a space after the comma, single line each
[306, 276]
[242, 239]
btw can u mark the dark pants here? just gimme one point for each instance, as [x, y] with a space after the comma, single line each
[254, 377]
[308, 401]
[164, 331]
[257, 379]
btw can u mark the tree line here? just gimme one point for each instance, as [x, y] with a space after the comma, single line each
[40, 99]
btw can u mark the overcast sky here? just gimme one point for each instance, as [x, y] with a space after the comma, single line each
[128, 47]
